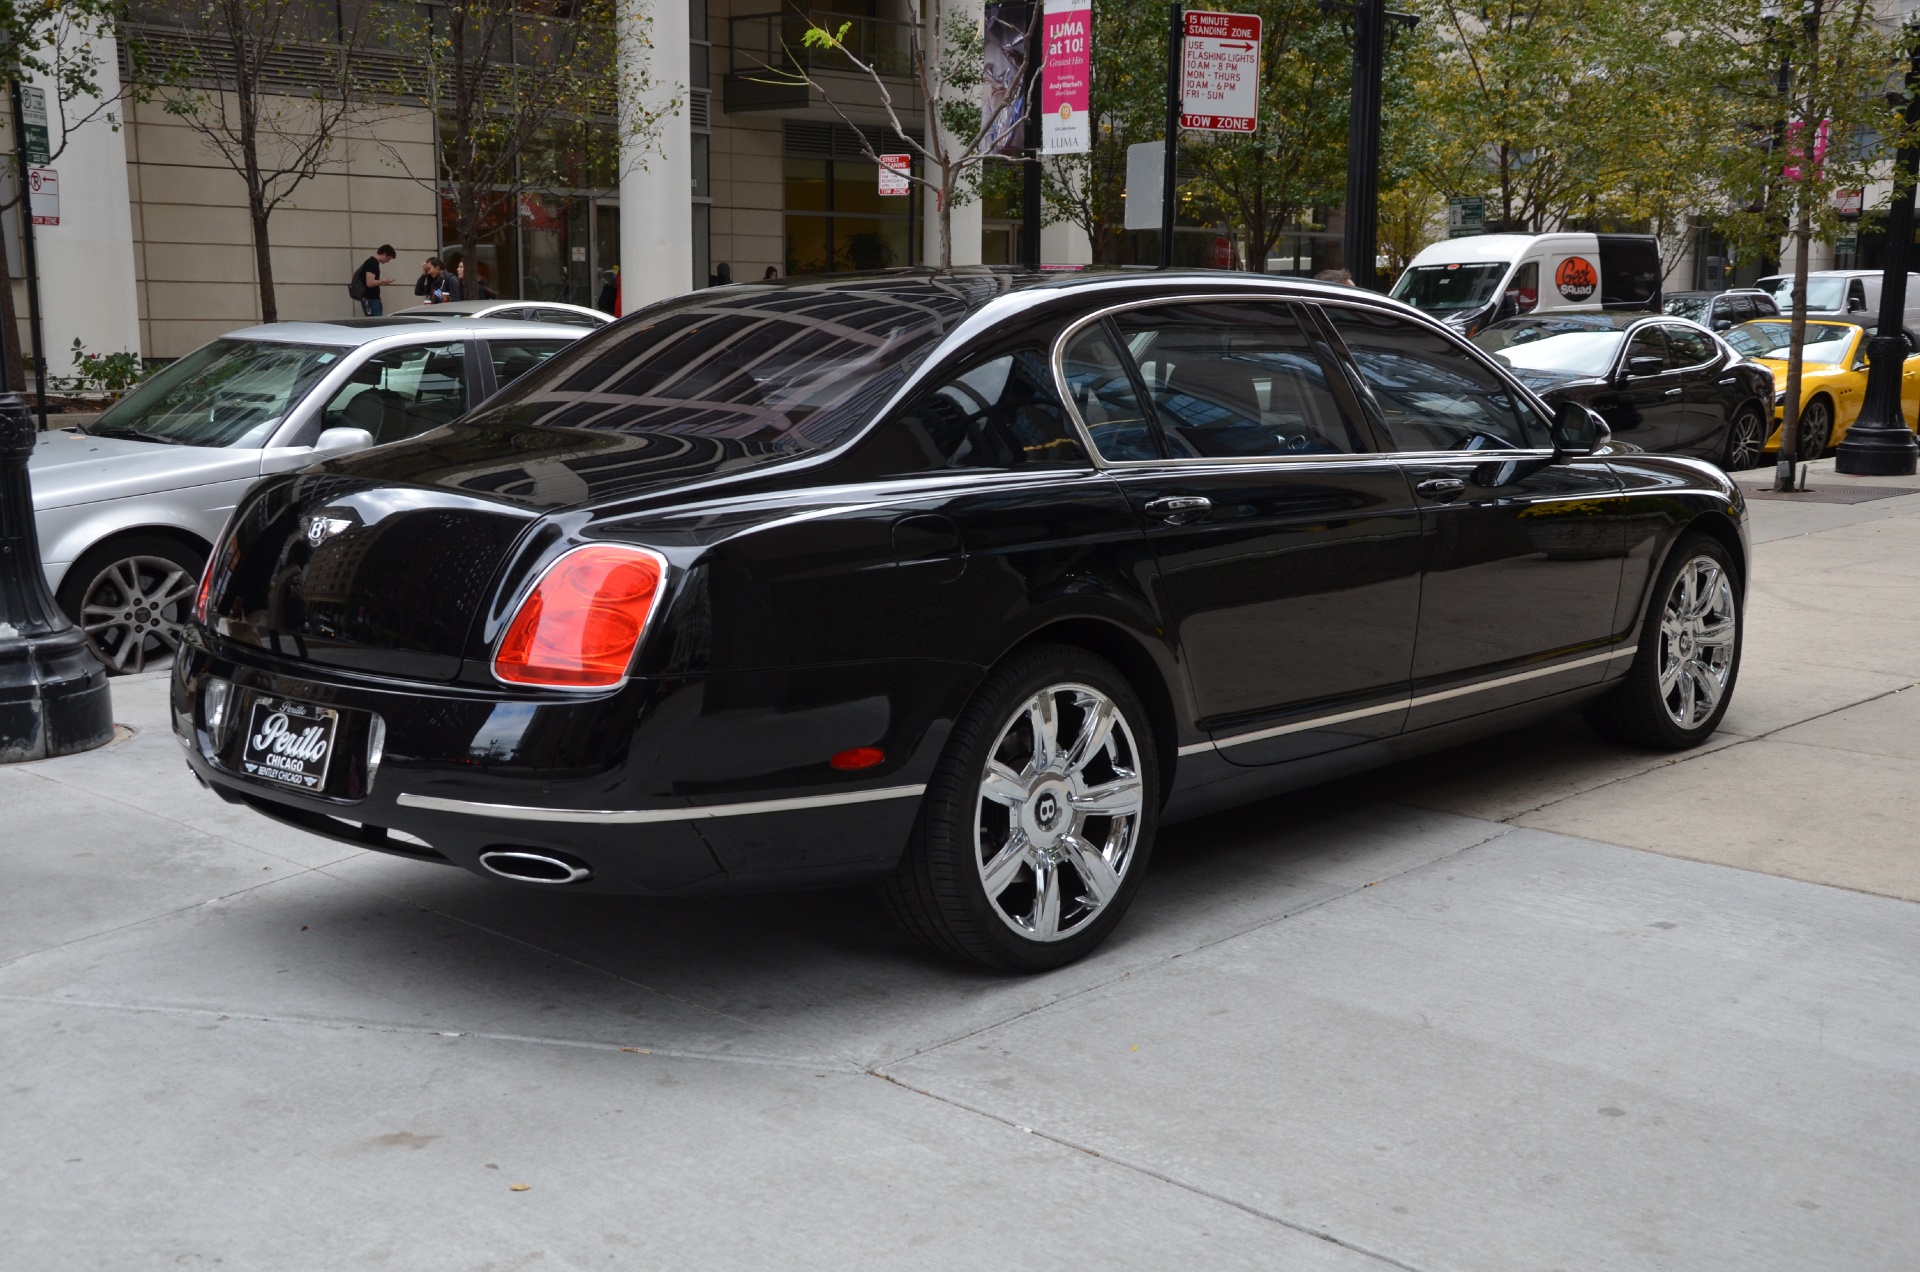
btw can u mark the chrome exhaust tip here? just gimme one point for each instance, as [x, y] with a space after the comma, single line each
[526, 865]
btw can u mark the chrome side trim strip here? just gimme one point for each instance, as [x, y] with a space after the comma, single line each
[1321, 722]
[641, 816]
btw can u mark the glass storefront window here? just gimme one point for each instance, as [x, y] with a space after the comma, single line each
[879, 233]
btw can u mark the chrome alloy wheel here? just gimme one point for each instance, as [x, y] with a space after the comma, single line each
[1058, 814]
[133, 609]
[1697, 633]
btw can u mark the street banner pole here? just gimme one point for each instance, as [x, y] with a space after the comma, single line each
[1880, 443]
[1030, 210]
[1176, 28]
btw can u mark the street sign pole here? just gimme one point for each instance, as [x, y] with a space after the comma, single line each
[1030, 211]
[1880, 444]
[1361, 242]
[1176, 29]
[32, 260]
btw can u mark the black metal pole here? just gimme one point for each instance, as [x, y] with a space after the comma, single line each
[1880, 443]
[1169, 193]
[1360, 244]
[32, 261]
[53, 691]
[1030, 210]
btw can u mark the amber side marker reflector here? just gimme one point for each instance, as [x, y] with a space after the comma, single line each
[858, 757]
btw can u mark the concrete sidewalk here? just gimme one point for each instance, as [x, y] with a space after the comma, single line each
[1530, 1004]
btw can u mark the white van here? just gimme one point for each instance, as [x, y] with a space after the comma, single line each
[1471, 282]
[1849, 294]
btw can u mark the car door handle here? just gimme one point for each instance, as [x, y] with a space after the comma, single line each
[1180, 507]
[1732, 379]
[1434, 487]
[1675, 392]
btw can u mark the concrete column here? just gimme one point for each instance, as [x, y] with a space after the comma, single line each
[656, 180]
[86, 262]
[960, 16]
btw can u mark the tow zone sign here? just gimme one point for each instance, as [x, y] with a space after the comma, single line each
[1220, 72]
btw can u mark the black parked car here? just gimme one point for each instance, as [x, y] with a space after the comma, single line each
[1661, 384]
[959, 582]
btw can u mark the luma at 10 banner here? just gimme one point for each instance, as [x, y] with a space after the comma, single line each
[1066, 77]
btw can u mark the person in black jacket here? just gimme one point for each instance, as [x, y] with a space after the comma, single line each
[372, 281]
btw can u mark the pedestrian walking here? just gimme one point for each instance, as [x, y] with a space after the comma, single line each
[722, 276]
[771, 273]
[608, 302]
[369, 279]
[1339, 277]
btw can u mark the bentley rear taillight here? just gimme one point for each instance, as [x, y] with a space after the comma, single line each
[579, 626]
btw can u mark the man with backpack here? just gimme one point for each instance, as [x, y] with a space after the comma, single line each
[367, 280]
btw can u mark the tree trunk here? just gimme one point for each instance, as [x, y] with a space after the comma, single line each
[1790, 413]
[945, 198]
[263, 260]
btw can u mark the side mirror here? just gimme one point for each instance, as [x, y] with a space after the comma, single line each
[1647, 365]
[1579, 431]
[1722, 324]
[339, 441]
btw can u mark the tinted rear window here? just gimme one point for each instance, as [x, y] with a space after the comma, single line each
[1629, 270]
[779, 371]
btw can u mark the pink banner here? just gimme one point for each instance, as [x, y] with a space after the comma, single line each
[1066, 77]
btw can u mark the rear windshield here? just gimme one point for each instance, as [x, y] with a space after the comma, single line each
[228, 393]
[771, 372]
[1826, 343]
[1826, 294]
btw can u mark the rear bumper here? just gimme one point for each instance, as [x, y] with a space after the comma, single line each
[705, 784]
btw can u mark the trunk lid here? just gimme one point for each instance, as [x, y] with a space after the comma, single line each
[361, 574]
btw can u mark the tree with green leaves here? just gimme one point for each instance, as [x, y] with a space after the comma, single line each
[526, 98]
[1809, 81]
[1296, 159]
[230, 78]
[56, 41]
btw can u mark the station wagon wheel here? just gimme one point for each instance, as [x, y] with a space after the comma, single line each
[1816, 428]
[1681, 680]
[131, 599]
[1744, 440]
[1039, 821]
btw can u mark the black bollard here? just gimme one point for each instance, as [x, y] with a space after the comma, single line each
[53, 691]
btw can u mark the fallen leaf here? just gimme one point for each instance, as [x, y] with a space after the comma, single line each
[303, 927]
[1136, 1048]
[518, 1187]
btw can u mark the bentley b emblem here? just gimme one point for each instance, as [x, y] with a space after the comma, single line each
[320, 529]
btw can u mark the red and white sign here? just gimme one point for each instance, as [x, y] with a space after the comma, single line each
[1066, 77]
[1222, 252]
[44, 183]
[893, 178]
[1220, 72]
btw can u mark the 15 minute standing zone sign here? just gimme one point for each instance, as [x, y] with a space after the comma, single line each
[1220, 72]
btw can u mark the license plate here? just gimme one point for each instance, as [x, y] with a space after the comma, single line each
[289, 743]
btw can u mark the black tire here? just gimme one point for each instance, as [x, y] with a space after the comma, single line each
[1816, 428]
[1640, 710]
[1746, 434]
[164, 572]
[940, 894]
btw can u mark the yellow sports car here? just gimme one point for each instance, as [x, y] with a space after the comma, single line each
[1833, 377]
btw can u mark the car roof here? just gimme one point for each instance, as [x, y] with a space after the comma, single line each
[416, 312]
[354, 332]
[1589, 320]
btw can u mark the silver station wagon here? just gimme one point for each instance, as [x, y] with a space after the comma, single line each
[127, 505]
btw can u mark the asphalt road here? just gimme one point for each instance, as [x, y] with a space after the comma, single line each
[1531, 1004]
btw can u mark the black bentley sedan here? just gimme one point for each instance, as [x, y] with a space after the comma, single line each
[961, 583]
[1661, 383]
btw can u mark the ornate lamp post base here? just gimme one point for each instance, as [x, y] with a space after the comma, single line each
[53, 691]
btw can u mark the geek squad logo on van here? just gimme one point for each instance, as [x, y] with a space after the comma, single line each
[1576, 278]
